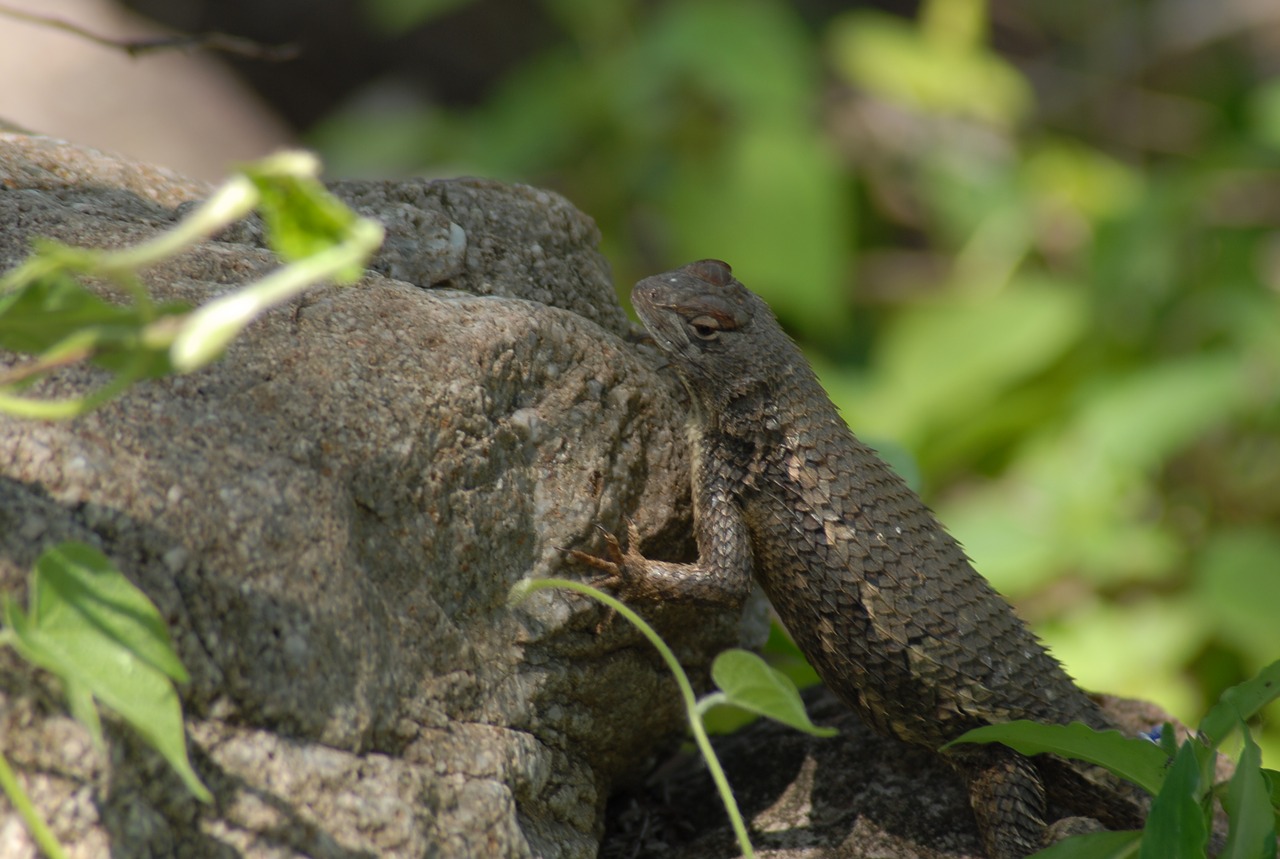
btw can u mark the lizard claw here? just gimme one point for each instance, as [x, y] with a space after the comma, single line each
[633, 535]
[613, 565]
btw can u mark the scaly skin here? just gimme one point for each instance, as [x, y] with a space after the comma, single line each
[878, 596]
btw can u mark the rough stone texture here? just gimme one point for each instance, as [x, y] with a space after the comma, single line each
[854, 796]
[330, 519]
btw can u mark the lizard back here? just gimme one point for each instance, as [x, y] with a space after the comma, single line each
[876, 593]
[879, 597]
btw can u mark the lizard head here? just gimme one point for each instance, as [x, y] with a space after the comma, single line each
[721, 338]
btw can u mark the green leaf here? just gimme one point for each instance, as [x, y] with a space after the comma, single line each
[1078, 178]
[1144, 417]
[53, 314]
[1248, 803]
[1239, 703]
[897, 61]
[748, 682]
[1094, 845]
[104, 639]
[1264, 113]
[83, 709]
[1272, 778]
[783, 655]
[77, 586]
[745, 167]
[1135, 760]
[752, 58]
[301, 217]
[41, 314]
[1176, 824]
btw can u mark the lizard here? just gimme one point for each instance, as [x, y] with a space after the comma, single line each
[879, 597]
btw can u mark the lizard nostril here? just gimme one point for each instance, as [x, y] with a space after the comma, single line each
[713, 271]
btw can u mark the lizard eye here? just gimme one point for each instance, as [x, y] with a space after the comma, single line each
[705, 327]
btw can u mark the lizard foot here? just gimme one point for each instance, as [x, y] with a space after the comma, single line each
[618, 566]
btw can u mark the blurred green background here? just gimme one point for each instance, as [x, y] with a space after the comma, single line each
[1033, 250]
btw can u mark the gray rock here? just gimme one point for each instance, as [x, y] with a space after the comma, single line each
[855, 796]
[330, 518]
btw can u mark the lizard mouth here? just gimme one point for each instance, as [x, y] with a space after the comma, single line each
[649, 299]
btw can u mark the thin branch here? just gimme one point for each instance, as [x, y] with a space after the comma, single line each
[137, 47]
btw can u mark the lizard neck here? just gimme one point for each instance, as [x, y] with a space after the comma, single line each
[763, 412]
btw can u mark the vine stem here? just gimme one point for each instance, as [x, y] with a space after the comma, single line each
[39, 830]
[522, 589]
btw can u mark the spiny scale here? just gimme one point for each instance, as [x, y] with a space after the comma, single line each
[879, 597]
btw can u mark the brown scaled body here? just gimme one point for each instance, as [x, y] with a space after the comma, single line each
[879, 597]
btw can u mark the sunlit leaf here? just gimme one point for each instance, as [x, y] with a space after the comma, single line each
[1142, 417]
[893, 59]
[301, 217]
[78, 588]
[948, 358]
[90, 626]
[1135, 760]
[1081, 179]
[56, 315]
[748, 682]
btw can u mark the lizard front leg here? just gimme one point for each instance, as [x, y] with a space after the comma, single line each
[721, 575]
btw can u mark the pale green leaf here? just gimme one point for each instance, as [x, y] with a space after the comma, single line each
[301, 217]
[83, 709]
[748, 682]
[77, 587]
[1135, 760]
[893, 59]
[97, 632]
[940, 361]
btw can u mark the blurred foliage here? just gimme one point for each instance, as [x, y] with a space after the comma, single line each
[1048, 269]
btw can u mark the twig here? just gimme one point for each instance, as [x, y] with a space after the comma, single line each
[136, 47]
